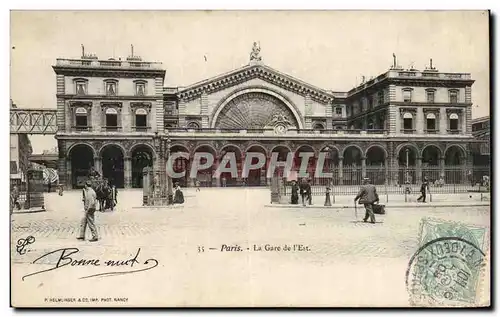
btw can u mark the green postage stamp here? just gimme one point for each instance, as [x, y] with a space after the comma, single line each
[448, 267]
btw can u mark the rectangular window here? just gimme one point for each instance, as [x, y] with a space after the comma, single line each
[111, 89]
[140, 89]
[338, 111]
[140, 121]
[81, 88]
[81, 121]
[407, 95]
[380, 97]
[430, 96]
[453, 96]
[408, 124]
[431, 124]
[13, 167]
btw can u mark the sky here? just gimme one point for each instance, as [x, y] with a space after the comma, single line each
[329, 49]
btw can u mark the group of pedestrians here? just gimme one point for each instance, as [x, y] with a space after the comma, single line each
[305, 192]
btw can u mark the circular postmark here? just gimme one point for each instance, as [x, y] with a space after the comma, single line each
[444, 271]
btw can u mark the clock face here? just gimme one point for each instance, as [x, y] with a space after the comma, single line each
[280, 129]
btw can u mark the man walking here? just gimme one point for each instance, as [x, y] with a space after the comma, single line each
[368, 196]
[423, 190]
[305, 192]
[89, 206]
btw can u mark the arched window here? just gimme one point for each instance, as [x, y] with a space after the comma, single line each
[81, 119]
[141, 119]
[431, 122]
[111, 119]
[318, 126]
[193, 125]
[408, 122]
[453, 122]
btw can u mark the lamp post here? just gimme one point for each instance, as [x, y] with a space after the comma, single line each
[170, 196]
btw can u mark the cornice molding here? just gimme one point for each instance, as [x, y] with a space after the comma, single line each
[255, 71]
[108, 72]
[110, 98]
[425, 82]
[430, 104]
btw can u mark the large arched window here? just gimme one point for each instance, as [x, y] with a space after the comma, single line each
[111, 119]
[453, 122]
[141, 120]
[408, 122]
[81, 119]
[431, 122]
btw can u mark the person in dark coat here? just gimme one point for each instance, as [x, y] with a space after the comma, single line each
[367, 196]
[423, 190]
[305, 192]
[295, 193]
[178, 195]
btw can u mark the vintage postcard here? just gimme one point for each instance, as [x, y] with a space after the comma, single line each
[250, 159]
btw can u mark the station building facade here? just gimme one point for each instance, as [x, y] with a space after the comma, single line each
[117, 117]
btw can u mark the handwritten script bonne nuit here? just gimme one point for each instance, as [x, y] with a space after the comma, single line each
[66, 257]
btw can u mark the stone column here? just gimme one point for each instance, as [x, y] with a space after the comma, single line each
[240, 172]
[363, 167]
[386, 173]
[216, 181]
[61, 170]
[128, 172]
[441, 167]
[68, 174]
[420, 121]
[341, 170]
[98, 165]
[419, 170]
[265, 180]
[443, 121]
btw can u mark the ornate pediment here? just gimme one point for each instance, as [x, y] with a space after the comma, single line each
[252, 71]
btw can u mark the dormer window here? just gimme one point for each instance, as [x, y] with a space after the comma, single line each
[453, 96]
[111, 87]
[81, 87]
[140, 88]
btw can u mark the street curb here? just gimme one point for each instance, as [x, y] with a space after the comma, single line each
[482, 204]
[29, 211]
[159, 207]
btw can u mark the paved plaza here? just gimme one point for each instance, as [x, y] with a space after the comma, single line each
[349, 263]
